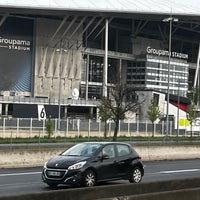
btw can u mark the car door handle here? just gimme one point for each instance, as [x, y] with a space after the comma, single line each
[120, 162]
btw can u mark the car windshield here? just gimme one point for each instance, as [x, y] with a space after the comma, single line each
[82, 149]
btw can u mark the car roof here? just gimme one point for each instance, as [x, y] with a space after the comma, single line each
[104, 143]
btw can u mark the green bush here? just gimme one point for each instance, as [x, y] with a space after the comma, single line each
[49, 127]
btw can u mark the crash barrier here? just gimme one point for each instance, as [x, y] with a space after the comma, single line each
[37, 155]
[152, 190]
[185, 194]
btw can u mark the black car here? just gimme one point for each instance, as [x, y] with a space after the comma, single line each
[88, 163]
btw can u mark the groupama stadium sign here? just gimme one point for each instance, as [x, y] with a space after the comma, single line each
[15, 44]
[161, 52]
[16, 52]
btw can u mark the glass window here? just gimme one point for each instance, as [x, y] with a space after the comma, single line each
[82, 149]
[109, 151]
[122, 150]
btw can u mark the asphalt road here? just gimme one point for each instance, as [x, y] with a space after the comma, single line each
[28, 180]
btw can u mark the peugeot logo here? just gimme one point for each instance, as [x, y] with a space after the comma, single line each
[56, 164]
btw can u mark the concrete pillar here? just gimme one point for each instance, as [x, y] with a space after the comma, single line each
[117, 40]
[120, 70]
[97, 113]
[91, 111]
[6, 109]
[105, 71]
[197, 68]
[0, 109]
[87, 77]
[133, 36]
[65, 112]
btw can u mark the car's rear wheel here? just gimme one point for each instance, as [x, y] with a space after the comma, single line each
[136, 175]
[89, 179]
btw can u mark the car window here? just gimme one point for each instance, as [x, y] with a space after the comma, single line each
[82, 149]
[122, 150]
[109, 151]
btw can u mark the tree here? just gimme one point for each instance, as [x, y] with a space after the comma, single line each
[49, 127]
[153, 113]
[195, 95]
[121, 100]
[104, 113]
[191, 115]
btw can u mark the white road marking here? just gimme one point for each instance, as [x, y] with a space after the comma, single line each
[179, 171]
[19, 174]
[172, 171]
[160, 172]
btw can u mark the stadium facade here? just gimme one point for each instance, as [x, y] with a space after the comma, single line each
[65, 54]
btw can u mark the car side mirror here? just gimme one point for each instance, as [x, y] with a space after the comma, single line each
[105, 157]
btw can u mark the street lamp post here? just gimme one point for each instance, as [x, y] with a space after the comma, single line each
[178, 109]
[59, 91]
[59, 98]
[170, 20]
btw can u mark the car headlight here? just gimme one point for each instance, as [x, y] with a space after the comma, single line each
[45, 165]
[77, 165]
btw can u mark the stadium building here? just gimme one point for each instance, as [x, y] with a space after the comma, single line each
[64, 54]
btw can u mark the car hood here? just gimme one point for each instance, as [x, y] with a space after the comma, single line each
[64, 161]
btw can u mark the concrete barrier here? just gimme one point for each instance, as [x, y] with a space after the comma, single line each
[26, 158]
[192, 194]
[38, 156]
[165, 190]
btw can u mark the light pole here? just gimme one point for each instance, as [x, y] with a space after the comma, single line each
[59, 76]
[59, 98]
[170, 20]
[178, 109]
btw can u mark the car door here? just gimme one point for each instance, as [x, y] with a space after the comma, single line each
[107, 164]
[123, 160]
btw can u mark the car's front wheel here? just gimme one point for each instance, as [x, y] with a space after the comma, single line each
[136, 175]
[89, 179]
[52, 185]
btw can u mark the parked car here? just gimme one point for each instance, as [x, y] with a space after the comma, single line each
[89, 163]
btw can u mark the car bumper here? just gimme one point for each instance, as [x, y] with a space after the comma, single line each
[62, 176]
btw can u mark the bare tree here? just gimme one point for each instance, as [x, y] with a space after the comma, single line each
[120, 100]
[195, 95]
[104, 113]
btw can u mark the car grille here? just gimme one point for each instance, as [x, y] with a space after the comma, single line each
[57, 174]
